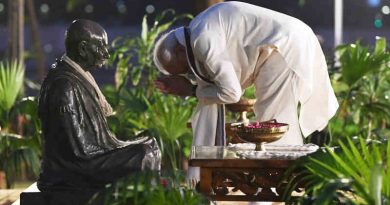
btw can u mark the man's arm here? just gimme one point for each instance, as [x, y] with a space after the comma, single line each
[209, 49]
[175, 85]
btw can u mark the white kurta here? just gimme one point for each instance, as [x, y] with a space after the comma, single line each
[236, 45]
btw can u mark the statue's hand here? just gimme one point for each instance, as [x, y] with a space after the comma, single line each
[176, 85]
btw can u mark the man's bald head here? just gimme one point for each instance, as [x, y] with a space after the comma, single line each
[169, 55]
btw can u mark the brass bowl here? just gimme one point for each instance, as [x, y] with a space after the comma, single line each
[260, 136]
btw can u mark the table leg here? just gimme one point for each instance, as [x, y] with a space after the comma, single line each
[205, 180]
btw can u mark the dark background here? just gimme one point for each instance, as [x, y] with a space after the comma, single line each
[123, 17]
[316, 13]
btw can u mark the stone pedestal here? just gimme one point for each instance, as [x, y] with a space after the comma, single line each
[32, 196]
[54, 198]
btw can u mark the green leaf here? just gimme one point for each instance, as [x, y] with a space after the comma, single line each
[325, 166]
[138, 124]
[357, 162]
[11, 82]
[121, 74]
[386, 176]
[356, 116]
[16, 153]
[28, 106]
[328, 193]
[356, 156]
[144, 32]
[136, 74]
[356, 61]
[163, 14]
[364, 149]
[376, 183]
[380, 45]
[346, 167]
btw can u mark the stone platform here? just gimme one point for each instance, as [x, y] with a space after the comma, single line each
[32, 196]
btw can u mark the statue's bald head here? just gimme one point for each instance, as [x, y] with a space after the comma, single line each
[82, 30]
[86, 40]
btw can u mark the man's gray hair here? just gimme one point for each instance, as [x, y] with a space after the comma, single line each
[163, 50]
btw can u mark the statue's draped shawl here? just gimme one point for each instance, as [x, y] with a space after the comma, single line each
[79, 149]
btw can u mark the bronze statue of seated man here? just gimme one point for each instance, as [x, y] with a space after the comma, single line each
[80, 152]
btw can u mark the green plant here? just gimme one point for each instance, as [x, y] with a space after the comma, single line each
[169, 115]
[27, 108]
[17, 151]
[130, 105]
[134, 97]
[357, 60]
[165, 115]
[151, 188]
[137, 53]
[363, 85]
[11, 82]
[14, 152]
[355, 173]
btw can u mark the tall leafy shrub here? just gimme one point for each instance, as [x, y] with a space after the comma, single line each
[11, 82]
[363, 87]
[16, 151]
[355, 173]
[138, 104]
